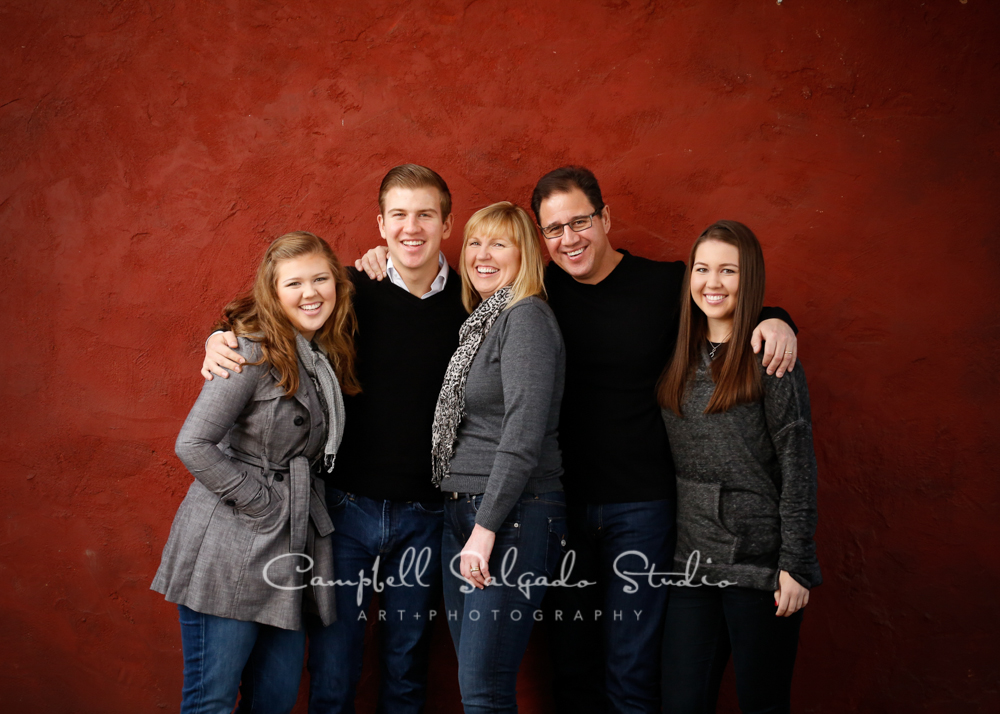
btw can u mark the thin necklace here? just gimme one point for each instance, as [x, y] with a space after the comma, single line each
[715, 347]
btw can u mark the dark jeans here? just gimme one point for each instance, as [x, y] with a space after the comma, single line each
[405, 537]
[703, 625]
[220, 652]
[607, 657]
[490, 627]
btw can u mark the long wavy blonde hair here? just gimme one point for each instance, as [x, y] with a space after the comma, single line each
[259, 316]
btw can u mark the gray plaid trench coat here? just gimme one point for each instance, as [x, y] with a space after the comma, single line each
[255, 514]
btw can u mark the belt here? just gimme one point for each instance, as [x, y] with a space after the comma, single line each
[456, 495]
[306, 501]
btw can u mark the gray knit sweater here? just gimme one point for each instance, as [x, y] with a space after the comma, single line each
[507, 440]
[746, 484]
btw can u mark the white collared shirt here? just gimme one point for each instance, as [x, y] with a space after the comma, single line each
[439, 280]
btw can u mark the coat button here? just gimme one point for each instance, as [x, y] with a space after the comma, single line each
[298, 421]
[231, 503]
[279, 477]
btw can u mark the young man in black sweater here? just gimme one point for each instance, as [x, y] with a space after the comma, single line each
[618, 314]
[380, 495]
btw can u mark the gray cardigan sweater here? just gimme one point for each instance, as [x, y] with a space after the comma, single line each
[507, 442]
[746, 484]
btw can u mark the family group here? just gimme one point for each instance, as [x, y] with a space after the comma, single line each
[616, 446]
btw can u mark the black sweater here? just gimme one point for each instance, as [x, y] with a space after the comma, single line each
[403, 346]
[619, 335]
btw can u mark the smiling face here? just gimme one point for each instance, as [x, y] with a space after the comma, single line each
[413, 227]
[715, 280]
[586, 255]
[307, 292]
[491, 263]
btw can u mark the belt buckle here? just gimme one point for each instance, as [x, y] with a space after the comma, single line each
[452, 496]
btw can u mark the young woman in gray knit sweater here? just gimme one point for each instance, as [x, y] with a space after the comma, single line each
[496, 458]
[746, 490]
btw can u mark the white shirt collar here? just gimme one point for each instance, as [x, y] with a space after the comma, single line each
[439, 280]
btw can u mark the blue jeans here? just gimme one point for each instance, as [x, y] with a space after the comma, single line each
[490, 627]
[219, 652]
[607, 658]
[703, 625]
[405, 538]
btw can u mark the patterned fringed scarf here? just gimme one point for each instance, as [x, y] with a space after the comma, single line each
[451, 401]
[321, 372]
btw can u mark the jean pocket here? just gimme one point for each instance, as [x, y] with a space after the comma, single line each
[335, 499]
[556, 544]
[431, 508]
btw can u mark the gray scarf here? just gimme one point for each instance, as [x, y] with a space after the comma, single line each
[451, 401]
[328, 388]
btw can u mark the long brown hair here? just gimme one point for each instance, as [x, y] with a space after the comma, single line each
[734, 370]
[259, 315]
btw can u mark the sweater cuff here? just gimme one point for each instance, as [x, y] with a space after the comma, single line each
[777, 313]
[805, 574]
[489, 517]
[217, 332]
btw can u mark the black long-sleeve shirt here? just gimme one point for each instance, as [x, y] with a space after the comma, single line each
[619, 335]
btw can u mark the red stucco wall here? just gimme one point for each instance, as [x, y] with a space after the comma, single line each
[150, 150]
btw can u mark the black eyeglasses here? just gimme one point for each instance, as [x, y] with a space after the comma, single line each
[576, 225]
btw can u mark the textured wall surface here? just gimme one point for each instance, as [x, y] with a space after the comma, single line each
[151, 149]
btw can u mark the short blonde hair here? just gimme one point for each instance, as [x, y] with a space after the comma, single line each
[506, 220]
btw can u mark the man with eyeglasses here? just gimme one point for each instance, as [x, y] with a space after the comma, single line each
[618, 314]
[619, 317]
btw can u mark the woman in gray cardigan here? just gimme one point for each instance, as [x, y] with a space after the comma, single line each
[746, 490]
[253, 531]
[496, 458]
